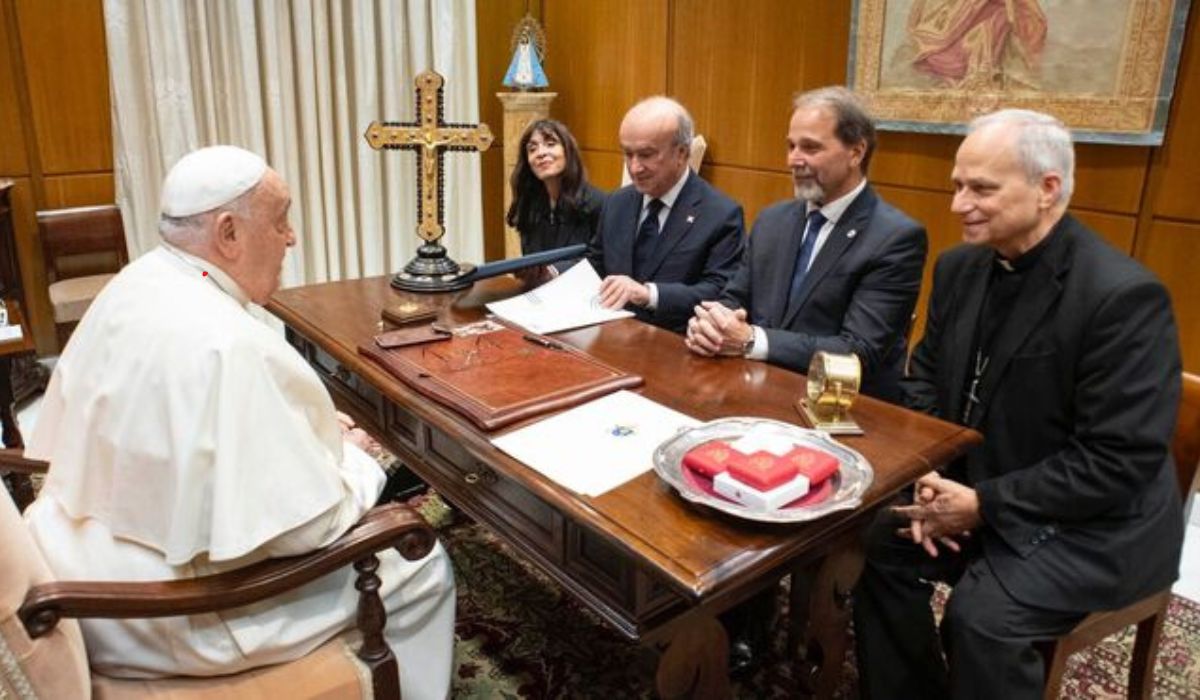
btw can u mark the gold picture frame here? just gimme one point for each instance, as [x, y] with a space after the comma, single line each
[1106, 68]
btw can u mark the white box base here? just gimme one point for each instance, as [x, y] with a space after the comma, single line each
[729, 487]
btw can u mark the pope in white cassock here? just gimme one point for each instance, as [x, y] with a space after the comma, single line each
[187, 438]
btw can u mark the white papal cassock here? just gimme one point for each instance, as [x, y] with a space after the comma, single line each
[185, 437]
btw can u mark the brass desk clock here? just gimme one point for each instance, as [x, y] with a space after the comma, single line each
[833, 382]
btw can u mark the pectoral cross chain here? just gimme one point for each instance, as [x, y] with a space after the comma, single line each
[981, 363]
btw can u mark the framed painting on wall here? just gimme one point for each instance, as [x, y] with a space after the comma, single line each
[1106, 68]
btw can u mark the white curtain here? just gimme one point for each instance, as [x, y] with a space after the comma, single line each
[297, 82]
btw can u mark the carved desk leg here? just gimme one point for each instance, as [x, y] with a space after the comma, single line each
[695, 660]
[825, 627]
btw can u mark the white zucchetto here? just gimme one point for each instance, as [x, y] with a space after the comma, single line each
[209, 177]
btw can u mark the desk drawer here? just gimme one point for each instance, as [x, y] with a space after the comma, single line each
[339, 378]
[515, 510]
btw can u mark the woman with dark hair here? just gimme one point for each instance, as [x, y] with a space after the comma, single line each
[552, 205]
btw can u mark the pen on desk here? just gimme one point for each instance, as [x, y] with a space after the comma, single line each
[544, 342]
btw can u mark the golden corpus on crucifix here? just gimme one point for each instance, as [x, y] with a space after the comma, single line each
[432, 270]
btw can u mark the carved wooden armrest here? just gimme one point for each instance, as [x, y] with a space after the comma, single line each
[388, 526]
[14, 460]
[384, 527]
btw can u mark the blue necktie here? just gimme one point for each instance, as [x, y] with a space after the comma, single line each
[811, 230]
[647, 239]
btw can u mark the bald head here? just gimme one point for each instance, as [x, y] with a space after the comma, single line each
[656, 136]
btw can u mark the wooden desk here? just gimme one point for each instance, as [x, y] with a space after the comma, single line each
[655, 567]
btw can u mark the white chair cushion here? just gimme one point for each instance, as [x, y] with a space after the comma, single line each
[71, 298]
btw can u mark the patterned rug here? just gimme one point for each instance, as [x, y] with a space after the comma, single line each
[518, 635]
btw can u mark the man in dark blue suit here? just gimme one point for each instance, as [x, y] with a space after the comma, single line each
[835, 269]
[669, 239]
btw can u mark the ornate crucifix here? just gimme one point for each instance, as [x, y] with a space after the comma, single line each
[432, 270]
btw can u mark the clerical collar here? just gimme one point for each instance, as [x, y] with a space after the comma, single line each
[1025, 261]
[833, 211]
[671, 195]
[210, 272]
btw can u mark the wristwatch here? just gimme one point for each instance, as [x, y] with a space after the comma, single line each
[748, 346]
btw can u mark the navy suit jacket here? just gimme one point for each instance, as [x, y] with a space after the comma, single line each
[857, 297]
[1075, 478]
[697, 250]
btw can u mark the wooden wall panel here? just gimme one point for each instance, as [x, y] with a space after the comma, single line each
[604, 56]
[1171, 250]
[941, 225]
[1116, 229]
[1110, 178]
[604, 168]
[67, 73]
[728, 68]
[753, 189]
[64, 191]
[494, 22]
[13, 159]
[922, 161]
[1107, 178]
[1179, 172]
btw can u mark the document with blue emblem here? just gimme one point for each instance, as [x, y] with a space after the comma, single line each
[599, 445]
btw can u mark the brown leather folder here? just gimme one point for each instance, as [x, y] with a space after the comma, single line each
[498, 378]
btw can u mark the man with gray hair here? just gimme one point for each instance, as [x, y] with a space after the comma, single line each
[836, 268]
[669, 239]
[187, 438]
[1063, 353]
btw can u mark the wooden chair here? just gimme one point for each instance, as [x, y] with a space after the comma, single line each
[17, 471]
[83, 248]
[43, 654]
[1149, 613]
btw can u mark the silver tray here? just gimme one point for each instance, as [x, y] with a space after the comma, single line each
[849, 484]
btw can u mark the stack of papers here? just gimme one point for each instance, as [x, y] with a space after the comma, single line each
[597, 446]
[571, 300]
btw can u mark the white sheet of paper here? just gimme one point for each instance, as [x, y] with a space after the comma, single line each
[599, 445]
[570, 300]
[10, 333]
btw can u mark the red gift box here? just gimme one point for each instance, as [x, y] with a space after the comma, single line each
[712, 458]
[815, 464]
[763, 470]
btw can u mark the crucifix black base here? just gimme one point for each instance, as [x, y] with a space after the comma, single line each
[433, 271]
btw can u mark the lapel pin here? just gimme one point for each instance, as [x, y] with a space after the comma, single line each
[691, 218]
[852, 233]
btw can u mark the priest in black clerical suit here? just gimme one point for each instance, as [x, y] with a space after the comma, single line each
[669, 239]
[1063, 353]
[835, 269]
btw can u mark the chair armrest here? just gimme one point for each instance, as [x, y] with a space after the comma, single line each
[14, 460]
[384, 527]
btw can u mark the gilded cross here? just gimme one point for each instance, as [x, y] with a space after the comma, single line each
[430, 137]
